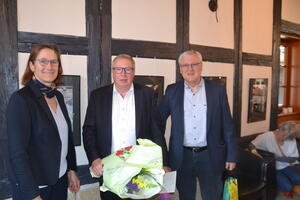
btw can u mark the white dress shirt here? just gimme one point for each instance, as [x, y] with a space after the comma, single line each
[123, 119]
[195, 111]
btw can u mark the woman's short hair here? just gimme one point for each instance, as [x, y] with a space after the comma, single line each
[28, 74]
[290, 129]
[189, 53]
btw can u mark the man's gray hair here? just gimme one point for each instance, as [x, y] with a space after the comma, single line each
[189, 53]
[290, 128]
[123, 56]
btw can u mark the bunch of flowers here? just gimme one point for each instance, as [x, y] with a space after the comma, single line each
[134, 172]
[138, 183]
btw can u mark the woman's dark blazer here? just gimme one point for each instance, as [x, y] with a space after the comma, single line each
[33, 140]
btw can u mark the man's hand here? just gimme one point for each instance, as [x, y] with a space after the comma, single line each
[230, 166]
[74, 183]
[97, 167]
[167, 169]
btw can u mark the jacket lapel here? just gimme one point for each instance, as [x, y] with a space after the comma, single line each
[108, 99]
[42, 102]
[179, 108]
[180, 100]
[138, 108]
[209, 102]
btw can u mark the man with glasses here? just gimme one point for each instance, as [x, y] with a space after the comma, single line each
[117, 115]
[202, 142]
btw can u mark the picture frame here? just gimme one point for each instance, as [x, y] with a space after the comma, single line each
[220, 79]
[154, 82]
[257, 104]
[70, 89]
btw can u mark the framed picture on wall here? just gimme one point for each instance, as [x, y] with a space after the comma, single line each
[258, 89]
[154, 82]
[70, 88]
[219, 79]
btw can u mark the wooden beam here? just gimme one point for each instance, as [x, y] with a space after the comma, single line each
[290, 28]
[275, 63]
[94, 40]
[144, 49]
[98, 21]
[238, 68]
[257, 59]
[214, 54]
[9, 81]
[182, 30]
[68, 44]
[105, 46]
[186, 25]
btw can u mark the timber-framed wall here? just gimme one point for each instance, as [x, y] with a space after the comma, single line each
[99, 46]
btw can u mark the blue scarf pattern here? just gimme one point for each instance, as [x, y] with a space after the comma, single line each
[45, 90]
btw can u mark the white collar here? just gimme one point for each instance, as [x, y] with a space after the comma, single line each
[131, 89]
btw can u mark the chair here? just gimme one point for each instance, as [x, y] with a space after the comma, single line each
[256, 176]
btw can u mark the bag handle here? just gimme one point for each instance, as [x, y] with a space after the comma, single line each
[279, 147]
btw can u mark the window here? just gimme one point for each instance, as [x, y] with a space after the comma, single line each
[282, 97]
[289, 79]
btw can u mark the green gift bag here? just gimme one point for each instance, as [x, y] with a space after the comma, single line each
[230, 189]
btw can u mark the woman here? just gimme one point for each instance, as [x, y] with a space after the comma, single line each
[283, 144]
[41, 150]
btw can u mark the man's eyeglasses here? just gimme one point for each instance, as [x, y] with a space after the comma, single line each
[127, 70]
[44, 62]
[193, 65]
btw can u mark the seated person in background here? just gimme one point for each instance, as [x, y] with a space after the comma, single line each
[282, 142]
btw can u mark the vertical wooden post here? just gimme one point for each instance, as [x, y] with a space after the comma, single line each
[238, 67]
[98, 17]
[182, 29]
[275, 63]
[9, 80]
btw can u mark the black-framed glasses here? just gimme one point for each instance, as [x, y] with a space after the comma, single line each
[127, 70]
[45, 62]
[193, 65]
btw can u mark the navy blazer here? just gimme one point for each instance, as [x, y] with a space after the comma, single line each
[97, 128]
[33, 140]
[220, 134]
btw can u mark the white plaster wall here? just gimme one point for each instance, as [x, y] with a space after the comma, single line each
[257, 26]
[77, 65]
[221, 69]
[255, 72]
[290, 11]
[205, 30]
[55, 16]
[153, 20]
[72, 65]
